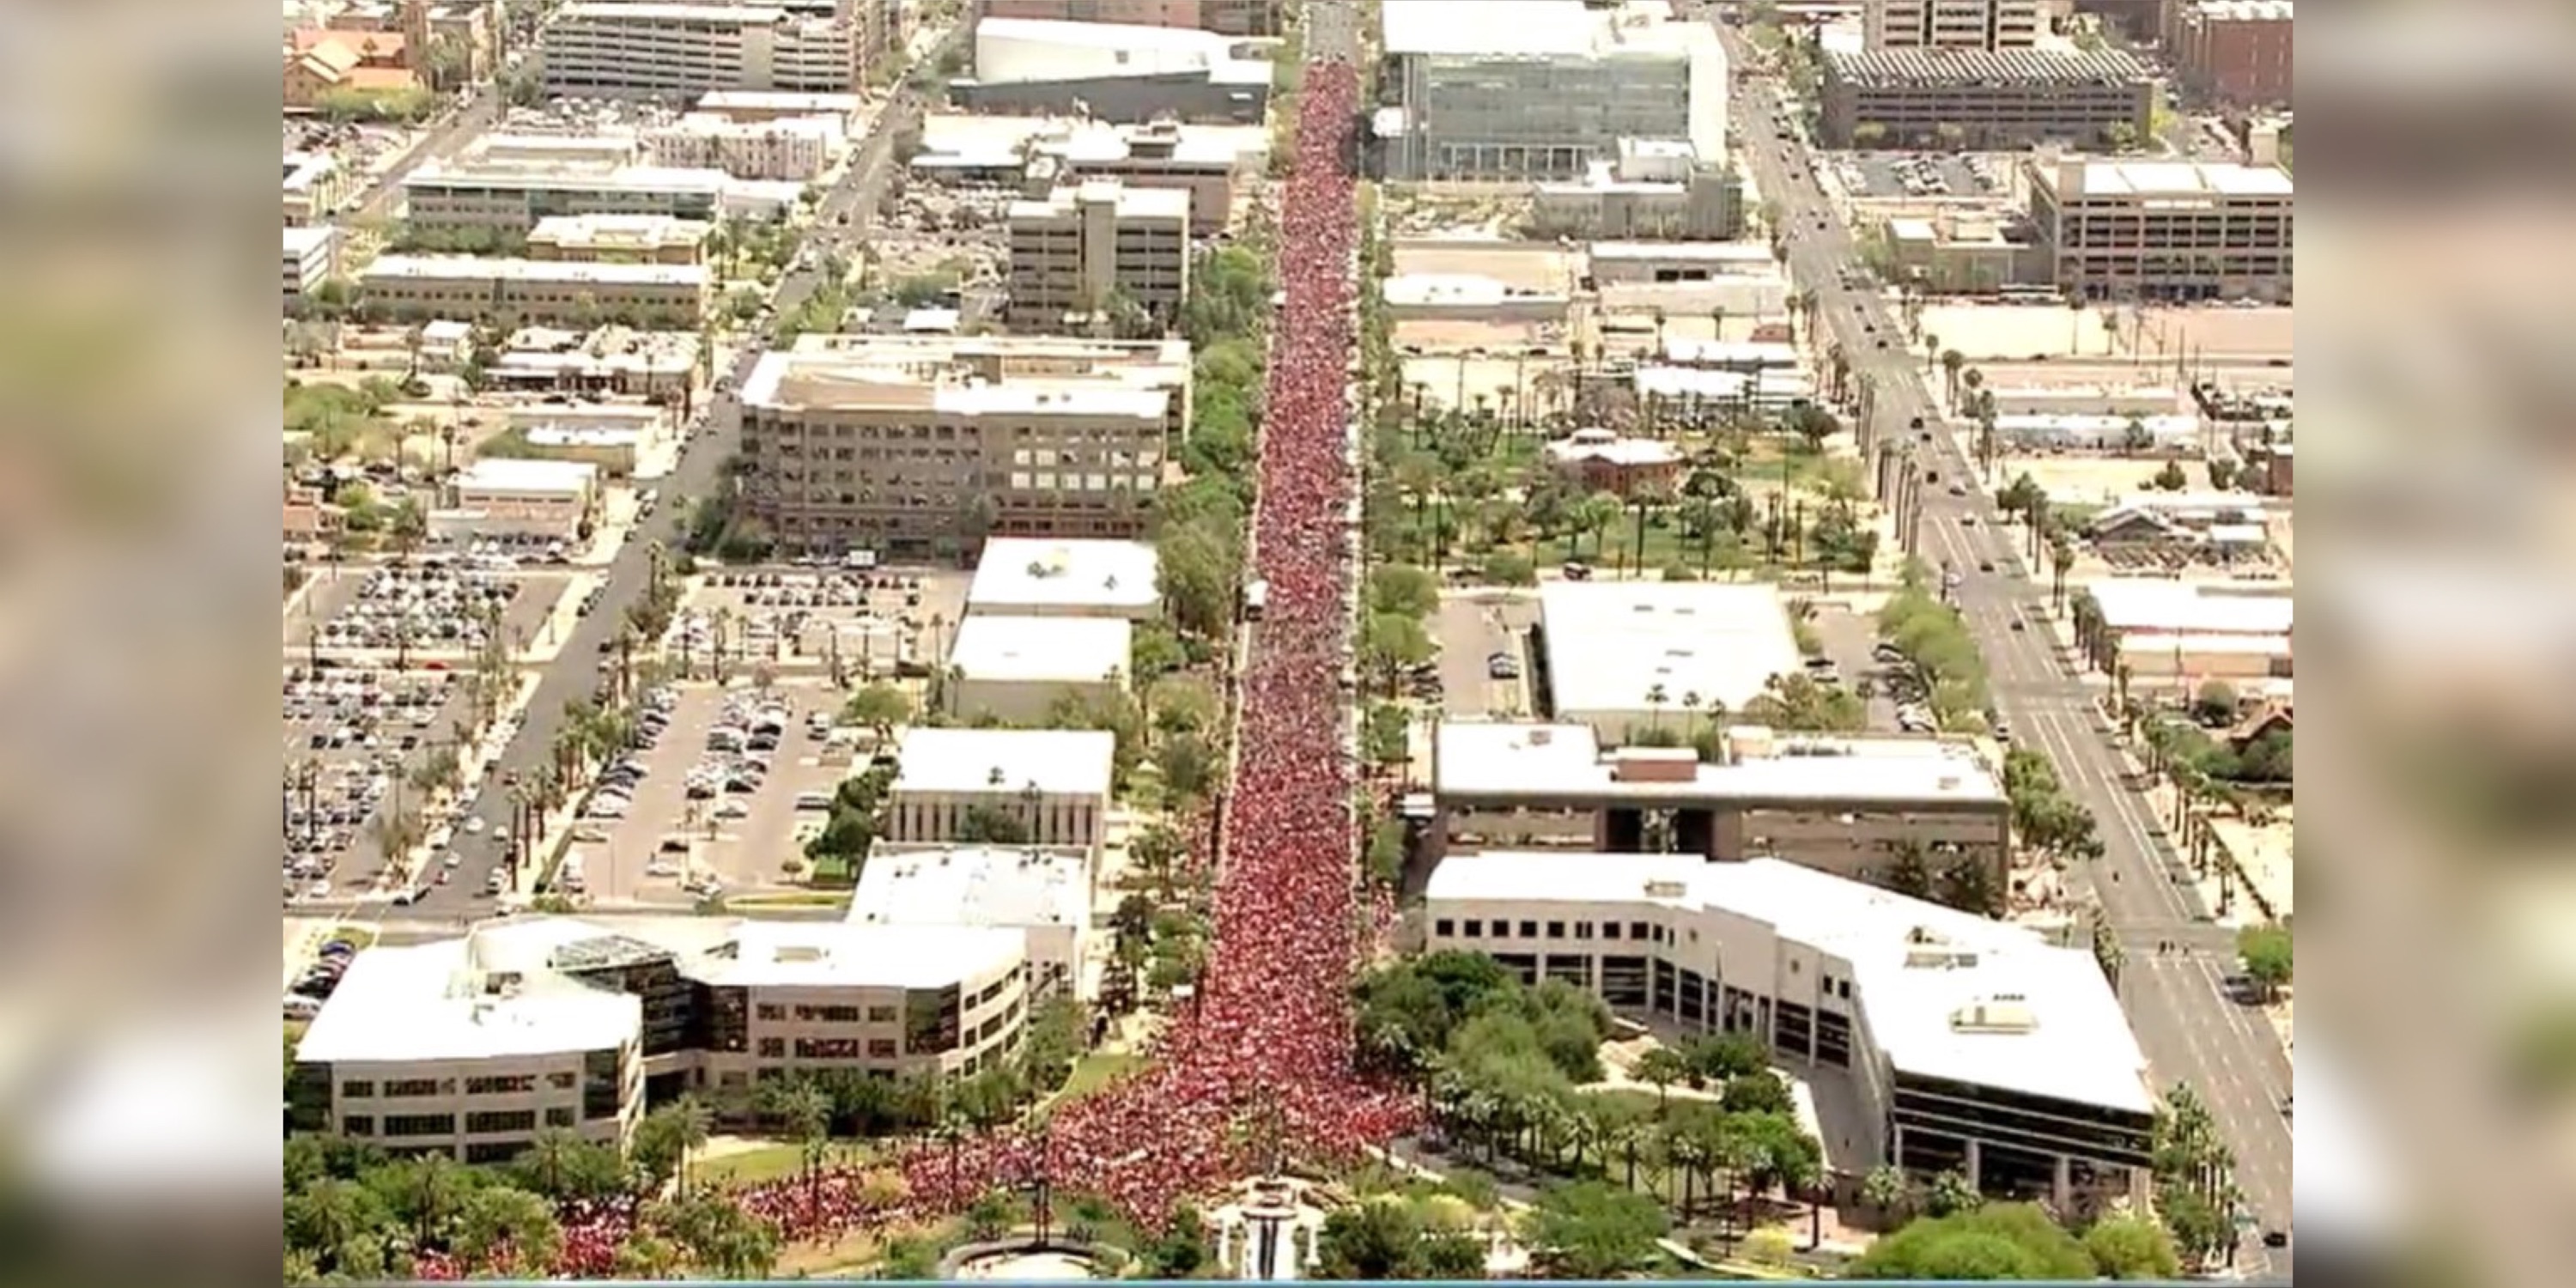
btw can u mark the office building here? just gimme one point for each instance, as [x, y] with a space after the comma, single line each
[1606, 650]
[1087, 255]
[796, 149]
[1124, 73]
[620, 239]
[1021, 577]
[1985, 100]
[1929, 1038]
[1545, 94]
[312, 257]
[919, 444]
[618, 49]
[535, 291]
[1655, 189]
[1022, 668]
[1044, 787]
[1847, 805]
[892, 1001]
[1951, 24]
[555, 500]
[2233, 53]
[2164, 230]
[1045, 896]
[1162, 155]
[757, 106]
[316, 185]
[1967, 252]
[510, 197]
[1225, 17]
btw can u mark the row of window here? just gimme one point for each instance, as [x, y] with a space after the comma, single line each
[1474, 928]
[521, 1121]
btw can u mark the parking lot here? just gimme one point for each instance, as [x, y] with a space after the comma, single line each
[1849, 639]
[720, 771]
[352, 739]
[1470, 628]
[435, 610]
[1920, 174]
[881, 623]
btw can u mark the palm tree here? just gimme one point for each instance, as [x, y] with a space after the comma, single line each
[1660, 1068]
[1594, 514]
[1656, 697]
[806, 1111]
[544, 1158]
[1951, 361]
[691, 1122]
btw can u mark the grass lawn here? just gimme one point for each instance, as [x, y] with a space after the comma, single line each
[766, 1162]
[791, 899]
[1092, 1072]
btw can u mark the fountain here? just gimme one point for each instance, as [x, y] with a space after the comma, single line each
[1269, 1229]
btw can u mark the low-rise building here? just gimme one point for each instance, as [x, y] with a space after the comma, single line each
[620, 239]
[1652, 190]
[1985, 100]
[611, 361]
[1030, 577]
[1438, 297]
[891, 1001]
[316, 185]
[795, 149]
[916, 444]
[1855, 806]
[556, 500]
[1951, 24]
[1930, 1038]
[1044, 895]
[1044, 787]
[510, 197]
[2166, 434]
[1966, 252]
[1119, 72]
[2173, 635]
[539, 291]
[1078, 254]
[322, 63]
[1021, 668]
[1618, 656]
[1598, 460]
[312, 257]
[2178, 231]
[755, 106]
[612, 436]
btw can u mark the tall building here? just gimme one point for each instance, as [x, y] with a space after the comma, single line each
[2232, 52]
[2156, 230]
[1545, 94]
[1951, 24]
[626, 49]
[1225, 17]
[1935, 1040]
[923, 444]
[1077, 254]
[1163, 154]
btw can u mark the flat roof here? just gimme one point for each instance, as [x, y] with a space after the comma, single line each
[1727, 252]
[1067, 762]
[1000, 887]
[1524, 759]
[1920, 969]
[841, 954]
[1695, 352]
[426, 1002]
[568, 176]
[640, 11]
[307, 239]
[2159, 607]
[1130, 202]
[717, 100]
[1963, 67]
[934, 372]
[1038, 572]
[1610, 643]
[1070, 650]
[466, 268]
[2171, 178]
[512, 474]
[1536, 27]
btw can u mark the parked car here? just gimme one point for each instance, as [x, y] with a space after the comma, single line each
[1503, 666]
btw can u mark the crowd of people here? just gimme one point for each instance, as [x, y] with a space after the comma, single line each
[1256, 1068]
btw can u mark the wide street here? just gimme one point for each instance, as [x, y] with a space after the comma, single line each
[2191, 1031]
[575, 671]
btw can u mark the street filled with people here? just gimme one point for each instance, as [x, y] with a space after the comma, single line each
[1255, 1069]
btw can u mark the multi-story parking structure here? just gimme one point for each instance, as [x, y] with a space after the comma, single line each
[2160, 230]
[1984, 99]
[918, 444]
[619, 49]
[1929, 1038]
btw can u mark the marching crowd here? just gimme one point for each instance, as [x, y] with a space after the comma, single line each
[1259, 1061]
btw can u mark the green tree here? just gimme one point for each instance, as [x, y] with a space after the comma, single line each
[2003, 1241]
[1402, 589]
[665, 1138]
[1590, 1230]
[2129, 1247]
[502, 1218]
[1951, 1194]
[1758, 1092]
[880, 707]
[1374, 1239]
[559, 1164]
[2215, 703]
[1154, 652]
[2266, 953]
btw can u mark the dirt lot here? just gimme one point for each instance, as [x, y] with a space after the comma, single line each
[2019, 331]
[1454, 381]
[2092, 480]
[1535, 266]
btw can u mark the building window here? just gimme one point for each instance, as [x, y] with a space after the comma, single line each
[1556, 930]
[770, 1011]
[1583, 930]
[357, 1089]
[420, 1124]
[1444, 927]
[1529, 930]
[1639, 930]
[559, 1116]
[501, 1085]
[1475, 929]
[882, 1014]
[773, 1048]
[358, 1125]
[881, 1048]
[412, 1087]
[1609, 930]
[506, 1120]
[561, 1081]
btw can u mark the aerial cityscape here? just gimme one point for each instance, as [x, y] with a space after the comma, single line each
[1397, 639]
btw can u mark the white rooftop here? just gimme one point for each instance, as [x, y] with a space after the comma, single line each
[1696, 252]
[2078, 1046]
[1609, 643]
[1130, 203]
[839, 954]
[460, 268]
[766, 100]
[1534, 29]
[1067, 762]
[307, 239]
[2181, 179]
[1507, 759]
[1071, 650]
[2186, 608]
[973, 887]
[1691, 351]
[1035, 572]
[507, 474]
[1603, 445]
[426, 1002]
[637, 11]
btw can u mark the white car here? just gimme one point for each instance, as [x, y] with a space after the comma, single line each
[733, 807]
[608, 807]
[320, 889]
[474, 826]
[454, 859]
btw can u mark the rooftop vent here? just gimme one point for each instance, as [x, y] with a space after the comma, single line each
[2003, 1013]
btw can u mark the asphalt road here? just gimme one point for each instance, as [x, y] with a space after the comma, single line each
[575, 672]
[2191, 1031]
